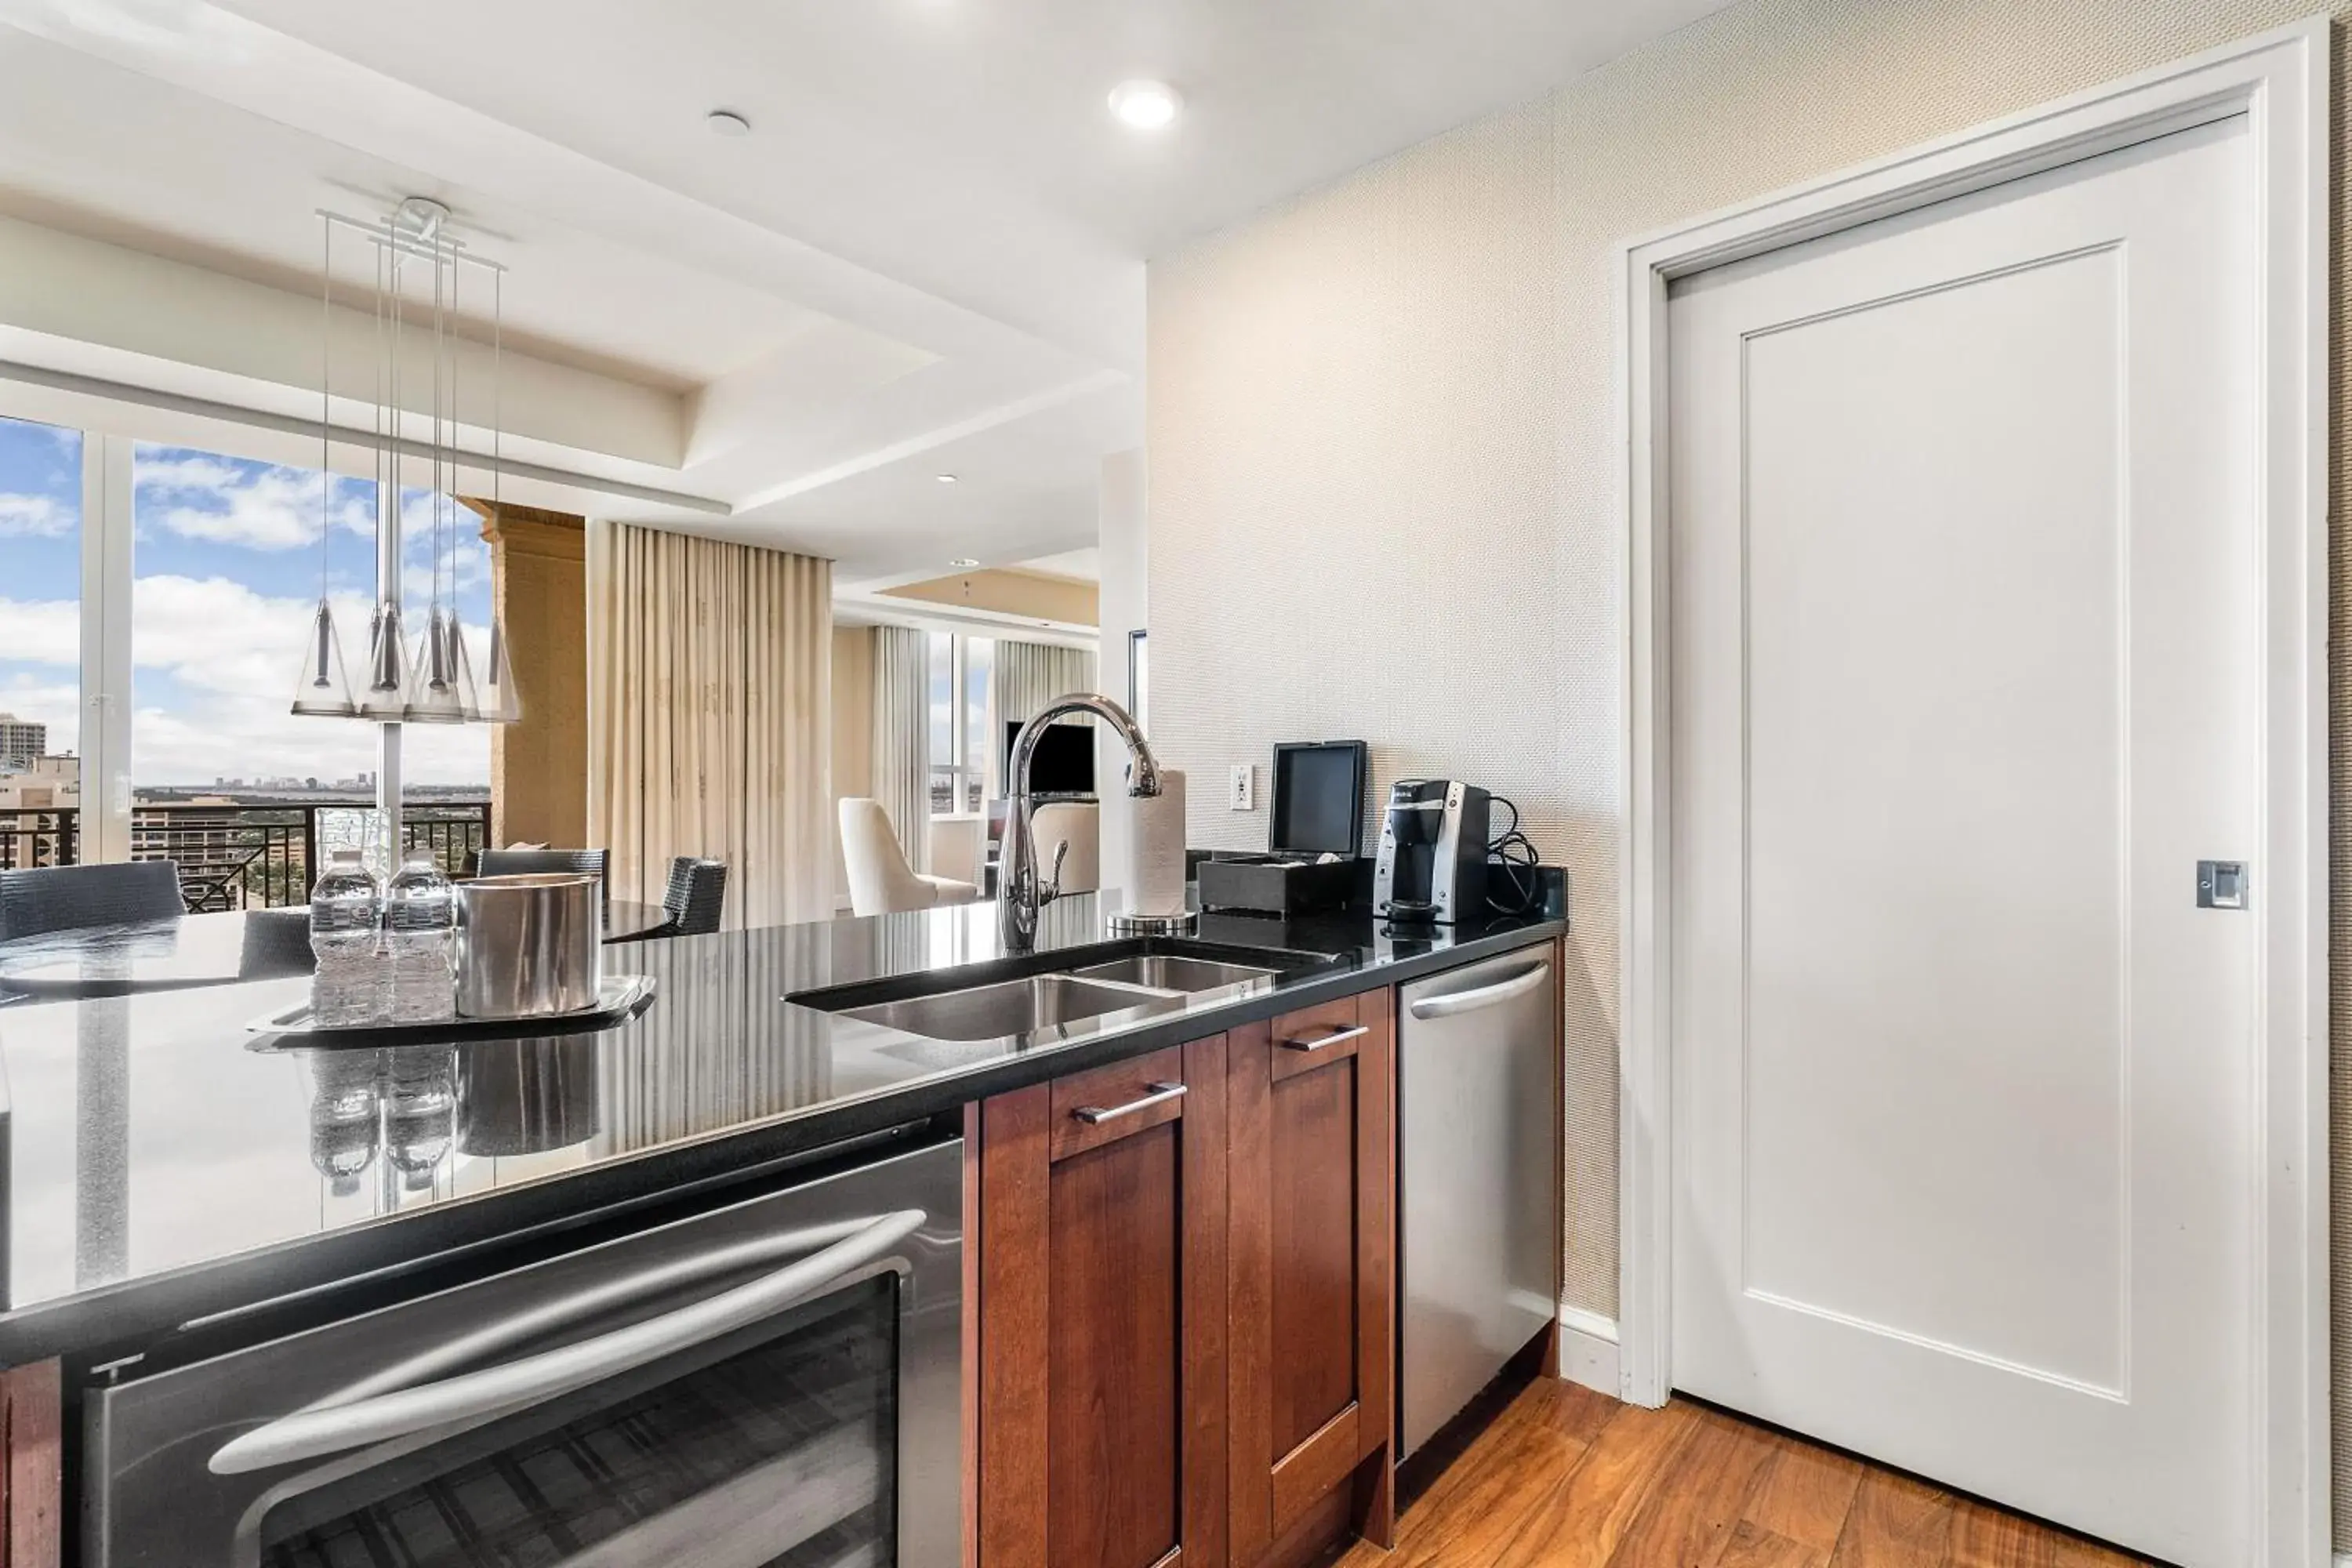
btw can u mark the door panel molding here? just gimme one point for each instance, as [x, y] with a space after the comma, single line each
[2279, 80]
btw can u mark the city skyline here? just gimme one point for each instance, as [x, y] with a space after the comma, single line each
[227, 572]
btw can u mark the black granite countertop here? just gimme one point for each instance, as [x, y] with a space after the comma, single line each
[164, 1164]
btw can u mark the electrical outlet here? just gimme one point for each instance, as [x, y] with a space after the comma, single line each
[1242, 795]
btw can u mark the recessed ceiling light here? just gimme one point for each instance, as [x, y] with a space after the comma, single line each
[727, 122]
[964, 563]
[1145, 104]
[945, 478]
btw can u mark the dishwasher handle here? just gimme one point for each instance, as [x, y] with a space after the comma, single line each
[353, 1419]
[1495, 996]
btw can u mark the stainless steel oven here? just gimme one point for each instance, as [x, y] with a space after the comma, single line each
[771, 1384]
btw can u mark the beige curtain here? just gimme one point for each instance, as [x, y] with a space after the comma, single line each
[1028, 675]
[902, 736]
[716, 701]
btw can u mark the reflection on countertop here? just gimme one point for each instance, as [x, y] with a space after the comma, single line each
[151, 1131]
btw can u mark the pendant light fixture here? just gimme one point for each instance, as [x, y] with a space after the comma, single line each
[496, 699]
[323, 689]
[443, 689]
[385, 699]
[499, 702]
[431, 679]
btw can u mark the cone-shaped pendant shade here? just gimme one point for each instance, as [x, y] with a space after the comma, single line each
[386, 696]
[322, 690]
[441, 688]
[499, 702]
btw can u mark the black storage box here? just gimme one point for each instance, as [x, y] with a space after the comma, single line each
[1319, 810]
[1271, 884]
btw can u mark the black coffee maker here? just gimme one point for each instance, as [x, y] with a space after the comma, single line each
[1433, 861]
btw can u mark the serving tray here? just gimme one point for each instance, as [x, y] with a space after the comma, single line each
[619, 998]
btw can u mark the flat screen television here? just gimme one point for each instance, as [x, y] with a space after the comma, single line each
[1065, 762]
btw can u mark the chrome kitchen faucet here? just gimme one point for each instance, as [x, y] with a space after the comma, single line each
[1020, 894]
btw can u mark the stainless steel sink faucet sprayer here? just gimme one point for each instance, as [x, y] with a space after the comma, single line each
[1020, 892]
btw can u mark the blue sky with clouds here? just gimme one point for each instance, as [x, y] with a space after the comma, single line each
[226, 573]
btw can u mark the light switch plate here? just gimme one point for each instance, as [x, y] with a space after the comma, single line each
[1241, 793]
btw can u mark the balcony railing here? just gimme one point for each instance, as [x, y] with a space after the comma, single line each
[252, 856]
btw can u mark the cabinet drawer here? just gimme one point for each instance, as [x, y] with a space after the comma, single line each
[1116, 1102]
[1316, 1036]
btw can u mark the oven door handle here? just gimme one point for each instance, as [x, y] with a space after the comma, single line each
[380, 1409]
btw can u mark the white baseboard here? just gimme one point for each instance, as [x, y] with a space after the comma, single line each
[1588, 1354]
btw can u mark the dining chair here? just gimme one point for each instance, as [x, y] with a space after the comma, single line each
[72, 898]
[694, 898]
[273, 943]
[958, 843]
[528, 862]
[880, 880]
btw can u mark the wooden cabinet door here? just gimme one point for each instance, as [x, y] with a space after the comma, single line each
[1312, 1357]
[32, 1502]
[1102, 1312]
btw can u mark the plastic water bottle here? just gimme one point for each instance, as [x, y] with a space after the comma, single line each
[350, 986]
[420, 926]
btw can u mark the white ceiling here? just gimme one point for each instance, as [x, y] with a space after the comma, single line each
[1078, 565]
[927, 257]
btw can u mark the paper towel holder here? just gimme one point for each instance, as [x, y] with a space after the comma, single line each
[1126, 925]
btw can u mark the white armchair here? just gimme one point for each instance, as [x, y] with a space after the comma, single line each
[959, 846]
[880, 880]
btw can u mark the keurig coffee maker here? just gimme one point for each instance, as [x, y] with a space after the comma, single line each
[1432, 863]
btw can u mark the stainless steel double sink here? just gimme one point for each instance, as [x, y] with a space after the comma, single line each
[1044, 991]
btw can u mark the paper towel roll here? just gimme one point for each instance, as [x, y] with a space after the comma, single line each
[1154, 872]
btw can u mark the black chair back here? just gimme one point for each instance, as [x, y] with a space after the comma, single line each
[72, 898]
[528, 862]
[276, 942]
[697, 894]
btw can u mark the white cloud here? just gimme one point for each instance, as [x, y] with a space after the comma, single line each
[265, 508]
[187, 471]
[234, 655]
[41, 631]
[466, 561]
[45, 700]
[34, 517]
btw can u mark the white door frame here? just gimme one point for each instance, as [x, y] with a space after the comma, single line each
[2279, 80]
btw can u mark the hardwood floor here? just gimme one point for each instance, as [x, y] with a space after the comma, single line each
[1569, 1479]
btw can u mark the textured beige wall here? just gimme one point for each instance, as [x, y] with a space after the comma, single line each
[1381, 441]
[538, 765]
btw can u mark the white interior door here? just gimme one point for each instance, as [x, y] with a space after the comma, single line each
[1964, 685]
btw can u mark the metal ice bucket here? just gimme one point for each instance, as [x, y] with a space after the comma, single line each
[529, 944]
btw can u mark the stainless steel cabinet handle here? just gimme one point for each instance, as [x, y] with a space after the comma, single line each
[1162, 1093]
[355, 1416]
[1502, 990]
[1333, 1038]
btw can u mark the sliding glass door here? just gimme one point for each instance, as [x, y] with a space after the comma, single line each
[40, 644]
[961, 716]
[154, 601]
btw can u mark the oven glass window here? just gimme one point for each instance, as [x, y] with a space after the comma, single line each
[775, 1447]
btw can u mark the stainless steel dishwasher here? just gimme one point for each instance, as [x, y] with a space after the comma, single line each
[1478, 1231]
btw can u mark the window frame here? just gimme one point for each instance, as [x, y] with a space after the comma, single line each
[108, 526]
[958, 770]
